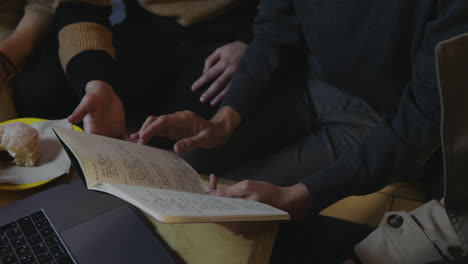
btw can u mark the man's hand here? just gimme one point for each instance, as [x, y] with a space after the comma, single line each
[190, 130]
[101, 111]
[220, 65]
[294, 199]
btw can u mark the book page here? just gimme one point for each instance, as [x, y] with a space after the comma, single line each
[179, 207]
[108, 160]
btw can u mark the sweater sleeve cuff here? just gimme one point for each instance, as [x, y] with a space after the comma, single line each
[83, 26]
[91, 66]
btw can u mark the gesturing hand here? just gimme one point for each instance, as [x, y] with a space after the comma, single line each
[101, 111]
[220, 65]
[190, 130]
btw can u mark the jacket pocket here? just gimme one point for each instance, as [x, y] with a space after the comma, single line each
[398, 239]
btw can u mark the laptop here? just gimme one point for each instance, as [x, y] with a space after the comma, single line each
[69, 224]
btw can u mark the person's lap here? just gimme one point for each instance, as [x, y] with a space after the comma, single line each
[332, 124]
[275, 122]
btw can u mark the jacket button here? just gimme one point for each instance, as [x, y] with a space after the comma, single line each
[395, 220]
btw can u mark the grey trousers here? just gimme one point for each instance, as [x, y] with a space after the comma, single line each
[291, 137]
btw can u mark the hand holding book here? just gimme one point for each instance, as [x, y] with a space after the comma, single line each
[293, 199]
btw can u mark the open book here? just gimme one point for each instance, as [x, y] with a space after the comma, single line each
[156, 181]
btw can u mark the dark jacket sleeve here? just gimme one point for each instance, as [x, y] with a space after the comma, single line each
[276, 36]
[405, 142]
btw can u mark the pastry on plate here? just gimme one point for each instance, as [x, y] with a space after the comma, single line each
[21, 141]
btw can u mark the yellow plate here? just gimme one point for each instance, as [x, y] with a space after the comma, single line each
[19, 187]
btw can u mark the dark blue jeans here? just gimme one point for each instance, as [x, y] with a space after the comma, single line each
[291, 137]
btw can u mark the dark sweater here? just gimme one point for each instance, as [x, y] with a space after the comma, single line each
[379, 51]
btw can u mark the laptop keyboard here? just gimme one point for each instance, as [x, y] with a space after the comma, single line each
[32, 240]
